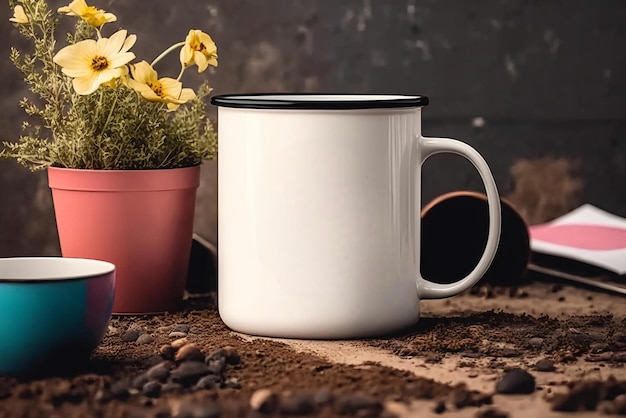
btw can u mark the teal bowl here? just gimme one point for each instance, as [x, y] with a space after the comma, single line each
[53, 311]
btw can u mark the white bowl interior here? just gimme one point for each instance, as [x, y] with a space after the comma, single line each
[51, 268]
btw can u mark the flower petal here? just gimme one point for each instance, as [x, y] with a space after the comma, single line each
[76, 58]
[79, 7]
[171, 87]
[128, 43]
[110, 17]
[201, 60]
[87, 84]
[186, 95]
[119, 60]
[186, 55]
[143, 72]
[19, 15]
[109, 46]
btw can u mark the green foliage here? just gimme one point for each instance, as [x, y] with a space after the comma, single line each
[111, 129]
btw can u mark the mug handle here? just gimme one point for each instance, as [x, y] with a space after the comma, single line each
[432, 146]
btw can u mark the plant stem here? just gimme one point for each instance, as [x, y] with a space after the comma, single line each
[99, 102]
[167, 51]
[180, 75]
[110, 114]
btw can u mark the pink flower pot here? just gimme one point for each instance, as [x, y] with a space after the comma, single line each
[139, 220]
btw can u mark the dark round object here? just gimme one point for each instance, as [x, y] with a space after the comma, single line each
[516, 381]
[454, 234]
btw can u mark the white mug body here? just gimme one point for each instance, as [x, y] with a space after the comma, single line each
[318, 217]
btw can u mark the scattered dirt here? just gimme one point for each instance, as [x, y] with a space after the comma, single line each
[104, 388]
[539, 200]
[188, 364]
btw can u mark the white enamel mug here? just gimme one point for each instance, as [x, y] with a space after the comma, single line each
[319, 202]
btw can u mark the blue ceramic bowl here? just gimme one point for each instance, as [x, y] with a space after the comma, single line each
[52, 311]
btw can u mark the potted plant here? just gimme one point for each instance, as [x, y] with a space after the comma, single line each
[122, 147]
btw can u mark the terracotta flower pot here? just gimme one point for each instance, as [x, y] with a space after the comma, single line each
[456, 224]
[139, 220]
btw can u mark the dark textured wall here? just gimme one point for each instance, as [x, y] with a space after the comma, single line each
[519, 80]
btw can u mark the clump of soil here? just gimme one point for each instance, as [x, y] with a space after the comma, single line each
[607, 397]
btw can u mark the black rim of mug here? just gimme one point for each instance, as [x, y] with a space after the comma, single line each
[316, 101]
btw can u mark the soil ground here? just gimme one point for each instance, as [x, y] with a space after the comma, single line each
[446, 365]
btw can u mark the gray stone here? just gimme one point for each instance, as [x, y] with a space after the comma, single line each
[145, 339]
[516, 381]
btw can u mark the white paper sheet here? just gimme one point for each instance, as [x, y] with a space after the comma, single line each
[586, 234]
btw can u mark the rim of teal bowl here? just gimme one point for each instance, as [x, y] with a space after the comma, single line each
[106, 268]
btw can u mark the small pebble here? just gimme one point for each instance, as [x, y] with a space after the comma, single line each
[139, 381]
[177, 334]
[219, 353]
[181, 328]
[535, 342]
[146, 402]
[440, 407]
[153, 361]
[606, 408]
[264, 401]
[102, 396]
[119, 391]
[130, 336]
[324, 396]
[209, 381]
[545, 365]
[167, 352]
[299, 405]
[460, 396]
[598, 347]
[189, 352]
[232, 356]
[179, 343]
[152, 389]
[620, 404]
[516, 381]
[217, 366]
[189, 372]
[160, 372]
[231, 383]
[144, 339]
[172, 387]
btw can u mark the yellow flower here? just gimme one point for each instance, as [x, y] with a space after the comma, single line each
[147, 83]
[199, 49]
[19, 16]
[90, 14]
[92, 63]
